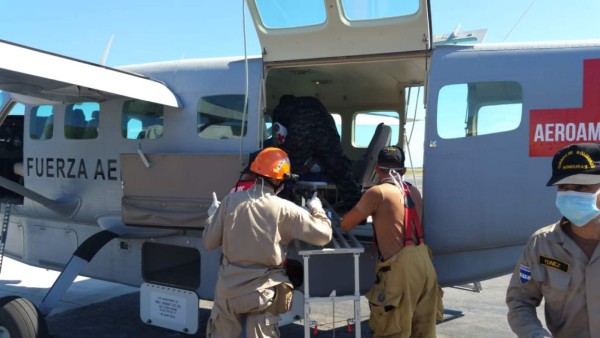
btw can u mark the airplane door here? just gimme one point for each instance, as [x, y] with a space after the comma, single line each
[11, 144]
[313, 29]
[484, 191]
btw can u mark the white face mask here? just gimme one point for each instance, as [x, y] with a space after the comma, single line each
[578, 207]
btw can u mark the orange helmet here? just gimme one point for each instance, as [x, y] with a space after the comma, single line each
[271, 162]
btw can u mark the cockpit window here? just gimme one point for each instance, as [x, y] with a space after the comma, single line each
[142, 120]
[288, 14]
[81, 121]
[220, 116]
[355, 10]
[41, 123]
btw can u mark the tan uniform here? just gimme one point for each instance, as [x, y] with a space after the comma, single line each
[254, 228]
[553, 267]
[404, 299]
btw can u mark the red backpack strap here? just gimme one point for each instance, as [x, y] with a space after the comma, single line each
[411, 218]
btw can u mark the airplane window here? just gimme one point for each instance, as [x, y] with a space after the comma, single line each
[11, 130]
[142, 120]
[378, 9]
[268, 131]
[289, 14]
[338, 123]
[4, 98]
[481, 108]
[41, 123]
[366, 122]
[81, 121]
[220, 116]
[497, 118]
[18, 109]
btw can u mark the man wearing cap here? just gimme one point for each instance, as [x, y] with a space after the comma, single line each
[254, 228]
[560, 262]
[405, 297]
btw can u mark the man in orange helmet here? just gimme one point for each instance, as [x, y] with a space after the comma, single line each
[254, 228]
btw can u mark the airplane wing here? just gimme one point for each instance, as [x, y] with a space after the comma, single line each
[48, 76]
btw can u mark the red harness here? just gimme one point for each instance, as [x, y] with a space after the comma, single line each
[411, 218]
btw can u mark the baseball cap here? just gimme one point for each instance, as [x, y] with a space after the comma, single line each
[391, 157]
[576, 164]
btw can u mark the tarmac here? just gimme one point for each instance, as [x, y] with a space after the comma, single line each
[94, 308]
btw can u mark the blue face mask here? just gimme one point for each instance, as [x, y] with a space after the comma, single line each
[578, 207]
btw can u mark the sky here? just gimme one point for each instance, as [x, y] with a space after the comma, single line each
[150, 30]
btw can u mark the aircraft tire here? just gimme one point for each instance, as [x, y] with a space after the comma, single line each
[20, 318]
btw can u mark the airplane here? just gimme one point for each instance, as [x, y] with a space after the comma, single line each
[109, 172]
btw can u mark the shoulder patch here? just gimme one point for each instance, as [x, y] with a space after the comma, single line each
[524, 274]
[554, 263]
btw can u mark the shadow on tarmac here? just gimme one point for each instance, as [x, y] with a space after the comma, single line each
[119, 318]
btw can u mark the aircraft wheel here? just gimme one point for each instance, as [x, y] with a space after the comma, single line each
[20, 318]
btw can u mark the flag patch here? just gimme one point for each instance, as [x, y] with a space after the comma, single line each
[525, 274]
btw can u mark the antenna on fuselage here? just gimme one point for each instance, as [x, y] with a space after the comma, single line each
[245, 111]
[519, 20]
[454, 33]
[106, 50]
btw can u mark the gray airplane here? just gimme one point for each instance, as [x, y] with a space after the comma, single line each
[109, 172]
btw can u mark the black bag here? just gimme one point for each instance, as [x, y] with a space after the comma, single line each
[295, 272]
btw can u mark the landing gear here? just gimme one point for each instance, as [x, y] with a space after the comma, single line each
[20, 318]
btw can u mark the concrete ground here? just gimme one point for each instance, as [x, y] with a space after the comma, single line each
[93, 308]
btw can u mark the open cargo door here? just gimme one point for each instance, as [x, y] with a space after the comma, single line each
[316, 29]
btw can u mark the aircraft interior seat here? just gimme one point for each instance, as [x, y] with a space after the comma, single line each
[18, 168]
[75, 124]
[48, 129]
[217, 132]
[363, 169]
[153, 132]
[91, 130]
[95, 117]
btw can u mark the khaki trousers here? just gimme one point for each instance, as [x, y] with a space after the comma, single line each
[404, 300]
[227, 316]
